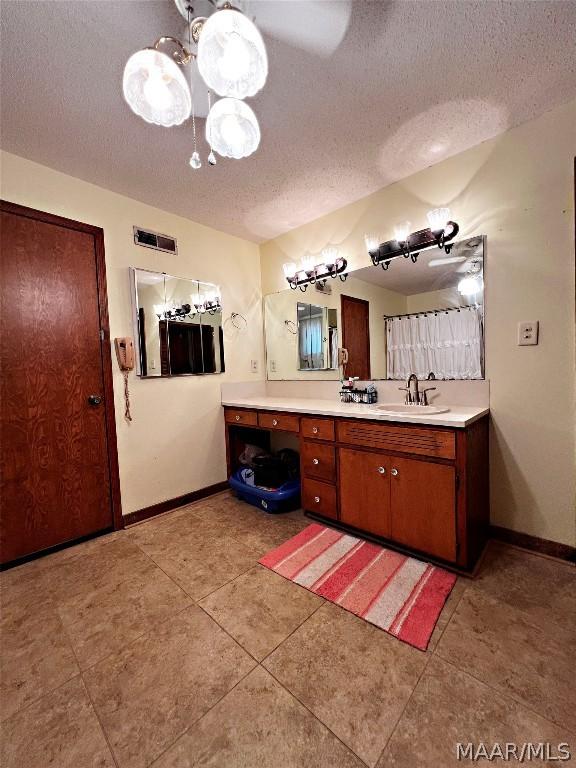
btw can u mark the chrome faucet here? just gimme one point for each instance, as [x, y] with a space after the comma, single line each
[413, 395]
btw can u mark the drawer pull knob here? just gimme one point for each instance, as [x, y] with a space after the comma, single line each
[314, 430]
[395, 472]
[316, 499]
[382, 470]
[237, 418]
[315, 461]
[274, 422]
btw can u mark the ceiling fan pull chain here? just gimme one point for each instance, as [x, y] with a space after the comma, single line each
[194, 161]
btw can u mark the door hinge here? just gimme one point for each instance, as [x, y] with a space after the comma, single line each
[101, 334]
[457, 481]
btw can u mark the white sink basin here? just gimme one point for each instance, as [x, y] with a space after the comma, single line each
[409, 410]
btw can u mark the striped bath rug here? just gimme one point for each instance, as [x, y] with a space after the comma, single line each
[399, 594]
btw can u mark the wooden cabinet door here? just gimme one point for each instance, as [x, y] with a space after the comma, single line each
[365, 490]
[423, 506]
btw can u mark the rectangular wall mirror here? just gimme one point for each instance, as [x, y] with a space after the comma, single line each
[424, 318]
[177, 325]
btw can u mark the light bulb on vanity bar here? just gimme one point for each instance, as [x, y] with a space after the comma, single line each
[401, 231]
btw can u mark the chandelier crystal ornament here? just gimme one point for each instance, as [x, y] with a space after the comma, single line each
[232, 129]
[155, 88]
[231, 60]
[231, 55]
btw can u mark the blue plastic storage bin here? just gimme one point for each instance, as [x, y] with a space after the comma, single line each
[283, 499]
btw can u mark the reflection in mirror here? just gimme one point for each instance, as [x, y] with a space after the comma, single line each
[424, 318]
[178, 324]
[317, 337]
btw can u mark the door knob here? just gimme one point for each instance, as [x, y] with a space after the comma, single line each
[274, 422]
[315, 461]
[314, 430]
[394, 472]
[316, 499]
[382, 470]
[94, 399]
[237, 418]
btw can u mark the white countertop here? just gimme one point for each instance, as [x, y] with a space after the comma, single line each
[457, 416]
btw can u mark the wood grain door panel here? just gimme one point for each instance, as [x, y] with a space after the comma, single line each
[286, 422]
[365, 490]
[54, 458]
[356, 336]
[423, 504]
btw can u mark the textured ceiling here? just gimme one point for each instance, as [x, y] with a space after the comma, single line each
[410, 84]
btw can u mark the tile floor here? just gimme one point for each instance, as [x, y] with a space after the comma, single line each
[167, 645]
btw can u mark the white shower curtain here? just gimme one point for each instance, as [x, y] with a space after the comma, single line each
[446, 343]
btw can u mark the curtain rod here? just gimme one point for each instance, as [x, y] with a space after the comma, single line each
[433, 311]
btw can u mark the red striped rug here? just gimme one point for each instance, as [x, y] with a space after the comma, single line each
[399, 594]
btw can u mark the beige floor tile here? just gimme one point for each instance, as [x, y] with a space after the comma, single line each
[59, 730]
[98, 567]
[200, 567]
[106, 619]
[148, 694]
[542, 587]
[260, 609]
[258, 725]
[352, 675]
[501, 646]
[36, 657]
[450, 707]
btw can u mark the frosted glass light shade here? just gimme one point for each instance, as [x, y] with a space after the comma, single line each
[232, 129]
[438, 218]
[307, 263]
[329, 254]
[231, 55]
[401, 231]
[372, 242]
[289, 269]
[155, 88]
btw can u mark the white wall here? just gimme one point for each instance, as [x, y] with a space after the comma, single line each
[518, 189]
[176, 442]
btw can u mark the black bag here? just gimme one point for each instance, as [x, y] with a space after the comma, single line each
[269, 471]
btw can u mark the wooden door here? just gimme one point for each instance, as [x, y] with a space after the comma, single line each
[365, 490]
[58, 453]
[356, 336]
[423, 505]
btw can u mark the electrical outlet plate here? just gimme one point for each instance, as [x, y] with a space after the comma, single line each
[527, 333]
[254, 366]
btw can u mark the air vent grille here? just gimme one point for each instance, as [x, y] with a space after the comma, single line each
[155, 240]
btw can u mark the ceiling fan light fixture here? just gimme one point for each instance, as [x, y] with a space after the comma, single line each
[155, 88]
[232, 129]
[232, 56]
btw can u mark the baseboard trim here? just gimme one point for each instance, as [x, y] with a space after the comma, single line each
[534, 543]
[179, 501]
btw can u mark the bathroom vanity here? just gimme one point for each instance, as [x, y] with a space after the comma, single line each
[417, 482]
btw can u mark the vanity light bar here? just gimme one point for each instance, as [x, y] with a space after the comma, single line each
[414, 243]
[302, 278]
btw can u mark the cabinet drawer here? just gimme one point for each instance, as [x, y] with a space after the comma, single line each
[317, 429]
[319, 497]
[234, 416]
[389, 437]
[287, 422]
[318, 461]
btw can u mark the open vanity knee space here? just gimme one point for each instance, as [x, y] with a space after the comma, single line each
[420, 485]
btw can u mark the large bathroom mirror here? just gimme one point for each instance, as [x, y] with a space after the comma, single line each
[425, 318]
[178, 325]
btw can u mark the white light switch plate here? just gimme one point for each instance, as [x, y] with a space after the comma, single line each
[254, 366]
[527, 333]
